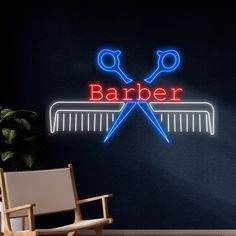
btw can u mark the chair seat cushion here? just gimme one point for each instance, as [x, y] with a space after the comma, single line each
[83, 224]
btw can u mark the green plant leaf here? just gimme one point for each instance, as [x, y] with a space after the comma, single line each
[28, 159]
[7, 155]
[5, 141]
[5, 111]
[25, 123]
[38, 166]
[9, 134]
[10, 113]
[6, 132]
[30, 139]
[25, 114]
[36, 131]
[21, 139]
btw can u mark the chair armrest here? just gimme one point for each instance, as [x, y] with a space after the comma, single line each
[91, 199]
[31, 221]
[19, 208]
[104, 203]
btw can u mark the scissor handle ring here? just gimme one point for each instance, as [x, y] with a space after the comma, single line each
[162, 56]
[115, 59]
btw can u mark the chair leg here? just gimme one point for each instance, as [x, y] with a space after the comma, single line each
[98, 231]
[71, 234]
[30, 233]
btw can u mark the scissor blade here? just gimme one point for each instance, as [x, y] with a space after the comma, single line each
[128, 107]
[145, 107]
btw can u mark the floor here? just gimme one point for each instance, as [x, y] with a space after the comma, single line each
[163, 233]
[160, 233]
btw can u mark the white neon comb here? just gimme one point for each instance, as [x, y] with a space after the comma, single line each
[84, 116]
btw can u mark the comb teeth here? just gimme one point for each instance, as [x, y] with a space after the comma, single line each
[84, 121]
[186, 117]
[187, 122]
[81, 116]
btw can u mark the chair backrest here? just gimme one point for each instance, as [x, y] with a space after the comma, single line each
[51, 190]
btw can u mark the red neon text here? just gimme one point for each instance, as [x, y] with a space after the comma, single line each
[137, 93]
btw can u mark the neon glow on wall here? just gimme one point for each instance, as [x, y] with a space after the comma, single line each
[108, 108]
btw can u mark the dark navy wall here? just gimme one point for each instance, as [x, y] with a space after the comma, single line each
[48, 52]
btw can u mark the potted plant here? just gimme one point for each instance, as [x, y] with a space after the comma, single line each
[20, 144]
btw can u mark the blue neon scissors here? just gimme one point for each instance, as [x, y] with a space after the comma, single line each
[114, 66]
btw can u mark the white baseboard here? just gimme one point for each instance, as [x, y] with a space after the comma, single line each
[161, 232]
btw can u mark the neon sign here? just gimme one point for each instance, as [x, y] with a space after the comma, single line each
[107, 108]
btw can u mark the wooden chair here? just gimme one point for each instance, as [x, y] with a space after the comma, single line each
[32, 193]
